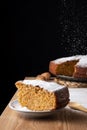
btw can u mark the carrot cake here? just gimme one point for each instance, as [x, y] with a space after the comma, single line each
[41, 95]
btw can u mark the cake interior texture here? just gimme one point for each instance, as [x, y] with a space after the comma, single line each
[38, 99]
[66, 68]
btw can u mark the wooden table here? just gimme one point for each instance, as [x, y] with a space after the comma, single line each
[66, 119]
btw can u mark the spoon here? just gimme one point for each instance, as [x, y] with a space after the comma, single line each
[77, 106]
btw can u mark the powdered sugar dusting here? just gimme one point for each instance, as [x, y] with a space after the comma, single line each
[60, 60]
[50, 86]
[82, 60]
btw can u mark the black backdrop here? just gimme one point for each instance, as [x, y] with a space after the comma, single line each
[33, 33]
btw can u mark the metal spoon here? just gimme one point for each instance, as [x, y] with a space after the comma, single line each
[77, 106]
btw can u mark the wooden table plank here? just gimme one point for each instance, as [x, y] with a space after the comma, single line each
[66, 119]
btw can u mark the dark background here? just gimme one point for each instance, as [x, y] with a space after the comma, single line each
[33, 33]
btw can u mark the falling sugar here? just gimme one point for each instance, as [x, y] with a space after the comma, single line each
[73, 34]
[74, 38]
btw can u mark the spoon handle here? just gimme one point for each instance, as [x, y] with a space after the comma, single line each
[77, 107]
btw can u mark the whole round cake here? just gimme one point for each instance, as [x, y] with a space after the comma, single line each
[41, 95]
[75, 66]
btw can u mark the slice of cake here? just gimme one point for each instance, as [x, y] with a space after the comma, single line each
[41, 95]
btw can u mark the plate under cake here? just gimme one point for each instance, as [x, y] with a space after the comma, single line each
[71, 82]
[16, 106]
